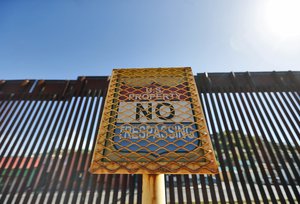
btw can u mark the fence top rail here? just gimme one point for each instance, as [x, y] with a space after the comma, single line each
[207, 82]
[249, 81]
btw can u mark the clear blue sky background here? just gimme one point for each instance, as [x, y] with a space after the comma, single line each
[63, 39]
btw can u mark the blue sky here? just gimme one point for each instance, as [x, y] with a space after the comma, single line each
[69, 38]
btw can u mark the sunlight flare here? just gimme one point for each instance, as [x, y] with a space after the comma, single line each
[282, 17]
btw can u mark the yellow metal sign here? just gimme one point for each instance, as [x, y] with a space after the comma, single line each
[153, 123]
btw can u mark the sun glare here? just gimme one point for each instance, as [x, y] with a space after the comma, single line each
[283, 18]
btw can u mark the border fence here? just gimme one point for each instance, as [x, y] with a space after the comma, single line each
[48, 130]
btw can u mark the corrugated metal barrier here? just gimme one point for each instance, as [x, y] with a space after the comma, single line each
[48, 129]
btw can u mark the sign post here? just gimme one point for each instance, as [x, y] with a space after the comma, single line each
[153, 124]
[154, 189]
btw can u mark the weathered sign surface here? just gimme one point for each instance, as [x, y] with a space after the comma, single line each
[153, 123]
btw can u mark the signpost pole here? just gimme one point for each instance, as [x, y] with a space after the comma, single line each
[154, 189]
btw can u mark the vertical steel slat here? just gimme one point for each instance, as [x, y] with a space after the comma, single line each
[270, 151]
[6, 136]
[14, 179]
[240, 149]
[90, 176]
[171, 188]
[220, 189]
[72, 163]
[294, 85]
[292, 112]
[68, 172]
[3, 114]
[131, 188]
[218, 148]
[100, 186]
[62, 113]
[14, 158]
[9, 102]
[139, 188]
[217, 176]
[68, 155]
[249, 154]
[261, 148]
[116, 188]
[23, 185]
[278, 153]
[88, 186]
[4, 101]
[124, 188]
[297, 97]
[295, 113]
[226, 151]
[231, 146]
[196, 189]
[60, 169]
[179, 189]
[86, 155]
[294, 138]
[212, 189]
[41, 170]
[79, 168]
[291, 97]
[187, 188]
[108, 187]
[93, 179]
[204, 189]
[17, 179]
[52, 180]
[282, 146]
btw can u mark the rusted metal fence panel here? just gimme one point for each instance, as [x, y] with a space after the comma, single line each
[48, 130]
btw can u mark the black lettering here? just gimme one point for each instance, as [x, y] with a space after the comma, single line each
[140, 108]
[172, 111]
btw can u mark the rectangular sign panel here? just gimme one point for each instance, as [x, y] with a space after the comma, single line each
[153, 123]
